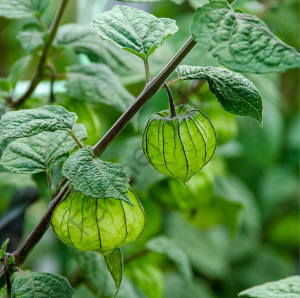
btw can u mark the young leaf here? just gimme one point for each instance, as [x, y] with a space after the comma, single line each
[93, 267]
[41, 152]
[169, 248]
[31, 39]
[17, 70]
[18, 9]
[236, 94]
[242, 42]
[3, 248]
[26, 123]
[84, 40]
[39, 284]
[114, 262]
[284, 288]
[96, 83]
[96, 178]
[134, 30]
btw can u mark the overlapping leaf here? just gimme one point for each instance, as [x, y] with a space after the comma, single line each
[285, 288]
[18, 9]
[236, 94]
[41, 152]
[84, 40]
[17, 70]
[26, 123]
[31, 37]
[96, 83]
[96, 178]
[242, 42]
[40, 284]
[114, 262]
[134, 30]
[168, 247]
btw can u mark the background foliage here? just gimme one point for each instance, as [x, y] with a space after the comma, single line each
[235, 224]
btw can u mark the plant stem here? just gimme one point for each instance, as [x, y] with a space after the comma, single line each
[7, 278]
[171, 101]
[147, 70]
[40, 69]
[78, 142]
[149, 91]
[26, 247]
[52, 80]
[42, 23]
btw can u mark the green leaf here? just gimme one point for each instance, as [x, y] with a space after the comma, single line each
[236, 94]
[17, 70]
[196, 242]
[94, 269]
[242, 42]
[3, 248]
[114, 262]
[18, 9]
[134, 30]
[284, 288]
[146, 277]
[96, 178]
[39, 284]
[84, 40]
[96, 83]
[31, 39]
[169, 248]
[26, 123]
[41, 152]
[148, 1]
[3, 292]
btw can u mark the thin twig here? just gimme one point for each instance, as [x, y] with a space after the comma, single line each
[40, 69]
[7, 278]
[42, 23]
[78, 142]
[52, 80]
[147, 70]
[171, 101]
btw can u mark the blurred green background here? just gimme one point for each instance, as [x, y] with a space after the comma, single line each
[237, 220]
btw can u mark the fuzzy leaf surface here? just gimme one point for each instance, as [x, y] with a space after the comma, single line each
[41, 152]
[134, 30]
[242, 42]
[40, 285]
[18, 9]
[96, 178]
[284, 288]
[236, 94]
[96, 83]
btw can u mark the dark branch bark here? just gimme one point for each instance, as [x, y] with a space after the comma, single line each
[40, 69]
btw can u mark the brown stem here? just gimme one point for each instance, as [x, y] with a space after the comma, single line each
[7, 278]
[26, 247]
[52, 80]
[40, 69]
[149, 91]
